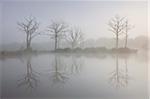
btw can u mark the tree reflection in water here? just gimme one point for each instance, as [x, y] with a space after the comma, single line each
[126, 73]
[119, 78]
[63, 68]
[76, 64]
[59, 75]
[29, 80]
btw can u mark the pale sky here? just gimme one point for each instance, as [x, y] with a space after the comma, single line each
[92, 17]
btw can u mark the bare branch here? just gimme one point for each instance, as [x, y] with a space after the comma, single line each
[30, 27]
[116, 26]
[75, 37]
[57, 31]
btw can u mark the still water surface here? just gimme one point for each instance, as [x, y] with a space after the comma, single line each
[71, 76]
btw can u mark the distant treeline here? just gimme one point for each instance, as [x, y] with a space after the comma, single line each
[140, 42]
[96, 50]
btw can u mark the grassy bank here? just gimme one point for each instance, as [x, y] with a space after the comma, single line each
[76, 50]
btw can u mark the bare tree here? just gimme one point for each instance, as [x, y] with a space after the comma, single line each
[128, 27]
[116, 26]
[57, 31]
[75, 37]
[30, 27]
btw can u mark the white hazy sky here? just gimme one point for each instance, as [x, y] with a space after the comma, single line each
[92, 17]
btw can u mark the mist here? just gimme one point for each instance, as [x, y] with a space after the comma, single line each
[73, 49]
[91, 17]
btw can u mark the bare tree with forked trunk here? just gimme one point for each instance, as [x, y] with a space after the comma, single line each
[29, 27]
[57, 31]
[116, 26]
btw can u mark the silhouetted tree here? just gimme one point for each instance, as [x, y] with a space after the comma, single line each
[128, 27]
[75, 37]
[57, 31]
[116, 26]
[30, 27]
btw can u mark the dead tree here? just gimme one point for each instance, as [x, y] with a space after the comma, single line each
[128, 27]
[57, 31]
[75, 37]
[29, 27]
[116, 26]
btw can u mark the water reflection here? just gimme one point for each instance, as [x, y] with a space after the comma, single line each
[59, 74]
[63, 68]
[126, 71]
[30, 78]
[119, 78]
[69, 75]
[77, 63]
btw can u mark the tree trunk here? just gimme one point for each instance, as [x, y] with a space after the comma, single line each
[73, 45]
[126, 41]
[117, 41]
[27, 41]
[29, 44]
[56, 38]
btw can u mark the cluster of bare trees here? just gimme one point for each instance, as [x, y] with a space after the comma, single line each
[57, 31]
[118, 26]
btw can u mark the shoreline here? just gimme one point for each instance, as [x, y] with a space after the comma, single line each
[75, 51]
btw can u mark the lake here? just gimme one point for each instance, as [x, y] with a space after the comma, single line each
[74, 76]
